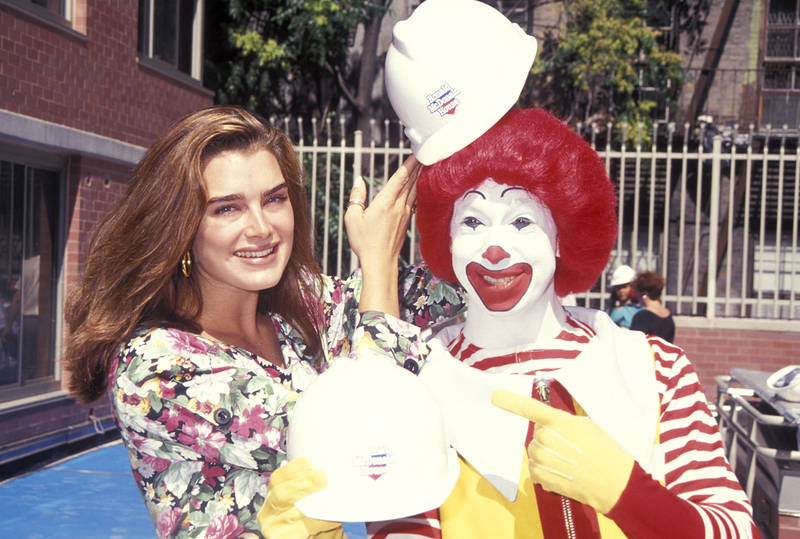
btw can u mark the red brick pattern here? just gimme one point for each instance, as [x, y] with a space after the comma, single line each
[91, 82]
[93, 187]
[716, 351]
[87, 78]
[48, 418]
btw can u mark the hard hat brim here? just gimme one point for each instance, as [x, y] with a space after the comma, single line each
[364, 503]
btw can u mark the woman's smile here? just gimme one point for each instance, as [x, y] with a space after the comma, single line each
[254, 254]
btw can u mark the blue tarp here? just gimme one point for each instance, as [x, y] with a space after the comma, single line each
[90, 496]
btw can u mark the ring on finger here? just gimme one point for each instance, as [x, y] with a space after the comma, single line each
[358, 202]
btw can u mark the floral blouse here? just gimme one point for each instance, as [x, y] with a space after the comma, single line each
[205, 422]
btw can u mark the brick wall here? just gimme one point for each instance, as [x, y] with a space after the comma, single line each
[87, 77]
[94, 184]
[92, 81]
[717, 351]
[49, 417]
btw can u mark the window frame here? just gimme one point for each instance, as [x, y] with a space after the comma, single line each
[145, 43]
[41, 12]
[57, 163]
[780, 68]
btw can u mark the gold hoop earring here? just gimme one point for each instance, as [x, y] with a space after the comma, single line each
[186, 264]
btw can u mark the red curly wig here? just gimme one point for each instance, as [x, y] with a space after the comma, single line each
[532, 149]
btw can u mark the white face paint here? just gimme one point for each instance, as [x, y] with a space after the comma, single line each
[503, 247]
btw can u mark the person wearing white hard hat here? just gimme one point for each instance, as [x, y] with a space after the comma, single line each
[615, 438]
[624, 304]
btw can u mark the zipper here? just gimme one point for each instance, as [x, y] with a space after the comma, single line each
[544, 395]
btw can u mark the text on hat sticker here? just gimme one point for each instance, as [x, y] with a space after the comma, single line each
[375, 463]
[443, 100]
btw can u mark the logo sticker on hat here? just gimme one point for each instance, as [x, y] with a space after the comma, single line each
[443, 100]
[375, 462]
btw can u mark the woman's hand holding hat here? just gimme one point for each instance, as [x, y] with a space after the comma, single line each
[376, 234]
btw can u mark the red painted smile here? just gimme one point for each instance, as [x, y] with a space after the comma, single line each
[500, 290]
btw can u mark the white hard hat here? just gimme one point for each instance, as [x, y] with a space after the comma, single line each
[376, 431]
[622, 275]
[454, 68]
[786, 383]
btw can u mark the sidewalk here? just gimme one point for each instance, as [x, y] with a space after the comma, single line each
[89, 496]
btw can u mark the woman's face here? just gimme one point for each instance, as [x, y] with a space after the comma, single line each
[623, 292]
[245, 237]
[503, 246]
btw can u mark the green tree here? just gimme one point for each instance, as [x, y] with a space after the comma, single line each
[290, 57]
[592, 69]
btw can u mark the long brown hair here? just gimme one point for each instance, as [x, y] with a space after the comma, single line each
[132, 276]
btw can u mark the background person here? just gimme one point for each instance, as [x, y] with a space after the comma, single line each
[655, 318]
[202, 311]
[624, 301]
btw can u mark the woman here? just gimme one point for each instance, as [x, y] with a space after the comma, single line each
[655, 319]
[202, 311]
[623, 305]
[624, 444]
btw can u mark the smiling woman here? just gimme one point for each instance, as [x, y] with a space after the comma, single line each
[203, 313]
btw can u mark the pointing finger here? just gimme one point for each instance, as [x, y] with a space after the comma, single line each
[531, 409]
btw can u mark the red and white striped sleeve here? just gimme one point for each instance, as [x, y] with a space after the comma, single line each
[422, 526]
[702, 497]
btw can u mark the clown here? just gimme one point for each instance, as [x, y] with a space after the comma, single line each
[619, 442]
[519, 217]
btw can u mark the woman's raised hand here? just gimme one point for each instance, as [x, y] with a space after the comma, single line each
[376, 234]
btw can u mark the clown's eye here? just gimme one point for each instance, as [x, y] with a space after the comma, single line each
[471, 222]
[521, 222]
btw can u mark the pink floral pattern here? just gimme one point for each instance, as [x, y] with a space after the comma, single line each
[205, 422]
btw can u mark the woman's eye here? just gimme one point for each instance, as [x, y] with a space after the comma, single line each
[223, 210]
[275, 199]
[471, 222]
[521, 222]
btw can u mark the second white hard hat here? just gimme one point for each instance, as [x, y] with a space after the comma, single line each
[377, 432]
[454, 68]
[622, 275]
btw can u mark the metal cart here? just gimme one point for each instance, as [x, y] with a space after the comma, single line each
[760, 434]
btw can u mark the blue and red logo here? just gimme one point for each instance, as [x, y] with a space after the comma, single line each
[374, 463]
[444, 100]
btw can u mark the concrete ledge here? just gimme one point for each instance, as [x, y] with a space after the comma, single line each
[29, 131]
[748, 324]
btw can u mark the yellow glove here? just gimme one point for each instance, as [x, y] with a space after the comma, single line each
[280, 519]
[571, 455]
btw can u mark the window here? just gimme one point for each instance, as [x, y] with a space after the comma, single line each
[781, 84]
[57, 11]
[30, 259]
[170, 35]
[54, 6]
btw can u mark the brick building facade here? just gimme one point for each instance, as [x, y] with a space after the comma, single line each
[85, 87]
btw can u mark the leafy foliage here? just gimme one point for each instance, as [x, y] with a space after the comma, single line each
[594, 68]
[281, 57]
